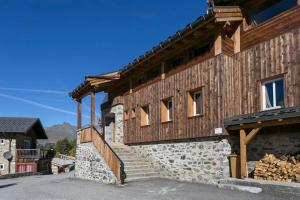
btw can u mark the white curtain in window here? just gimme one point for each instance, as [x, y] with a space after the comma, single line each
[268, 100]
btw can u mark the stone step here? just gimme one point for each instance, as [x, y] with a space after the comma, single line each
[124, 154]
[137, 167]
[129, 163]
[141, 174]
[131, 160]
[139, 170]
[240, 188]
[131, 179]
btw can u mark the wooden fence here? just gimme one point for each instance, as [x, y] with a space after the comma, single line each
[112, 160]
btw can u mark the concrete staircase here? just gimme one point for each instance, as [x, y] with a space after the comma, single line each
[136, 168]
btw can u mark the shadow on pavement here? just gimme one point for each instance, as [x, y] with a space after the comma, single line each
[7, 185]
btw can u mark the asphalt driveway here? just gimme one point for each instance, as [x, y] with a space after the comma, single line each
[64, 187]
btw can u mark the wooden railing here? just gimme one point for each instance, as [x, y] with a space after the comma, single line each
[30, 154]
[116, 165]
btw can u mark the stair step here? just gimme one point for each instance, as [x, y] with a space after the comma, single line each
[140, 178]
[141, 174]
[133, 164]
[241, 188]
[131, 160]
[137, 171]
[137, 167]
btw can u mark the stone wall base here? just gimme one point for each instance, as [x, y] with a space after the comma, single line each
[202, 161]
[91, 166]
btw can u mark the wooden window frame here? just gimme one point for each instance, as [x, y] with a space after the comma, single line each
[133, 113]
[247, 24]
[126, 115]
[145, 115]
[263, 92]
[165, 110]
[191, 104]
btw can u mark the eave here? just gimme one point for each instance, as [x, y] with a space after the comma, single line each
[95, 84]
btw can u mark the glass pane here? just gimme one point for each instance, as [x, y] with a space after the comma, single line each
[147, 116]
[279, 86]
[269, 95]
[170, 108]
[198, 103]
[273, 10]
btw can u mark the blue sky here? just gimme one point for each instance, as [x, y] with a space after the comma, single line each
[48, 46]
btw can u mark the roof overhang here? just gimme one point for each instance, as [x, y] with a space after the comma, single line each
[202, 29]
[278, 117]
[95, 83]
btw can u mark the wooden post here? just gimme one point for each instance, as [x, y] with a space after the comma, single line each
[92, 108]
[79, 114]
[298, 2]
[237, 40]
[243, 152]
[218, 45]
[163, 74]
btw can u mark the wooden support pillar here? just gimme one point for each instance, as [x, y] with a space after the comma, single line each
[298, 2]
[79, 114]
[92, 108]
[243, 153]
[163, 74]
[237, 40]
[244, 140]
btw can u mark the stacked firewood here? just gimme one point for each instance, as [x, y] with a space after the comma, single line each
[285, 168]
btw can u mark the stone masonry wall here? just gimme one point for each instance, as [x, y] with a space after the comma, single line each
[90, 165]
[118, 123]
[4, 148]
[202, 161]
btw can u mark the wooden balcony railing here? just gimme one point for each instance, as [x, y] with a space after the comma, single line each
[116, 165]
[31, 154]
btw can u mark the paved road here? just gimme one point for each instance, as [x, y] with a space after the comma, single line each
[64, 187]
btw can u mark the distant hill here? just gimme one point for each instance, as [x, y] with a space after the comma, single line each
[58, 132]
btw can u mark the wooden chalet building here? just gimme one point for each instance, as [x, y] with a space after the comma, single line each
[228, 82]
[18, 146]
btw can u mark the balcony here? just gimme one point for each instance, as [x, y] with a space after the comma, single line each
[32, 154]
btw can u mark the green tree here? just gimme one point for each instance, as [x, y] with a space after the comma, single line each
[66, 147]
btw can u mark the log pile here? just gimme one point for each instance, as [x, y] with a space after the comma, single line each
[285, 168]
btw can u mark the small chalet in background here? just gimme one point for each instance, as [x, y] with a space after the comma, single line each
[229, 82]
[19, 137]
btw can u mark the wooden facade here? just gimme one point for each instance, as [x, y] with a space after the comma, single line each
[231, 84]
[221, 55]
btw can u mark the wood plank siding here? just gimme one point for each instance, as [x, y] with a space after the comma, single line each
[231, 86]
[230, 83]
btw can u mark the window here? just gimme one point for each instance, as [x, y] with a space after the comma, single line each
[273, 94]
[1, 167]
[133, 114]
[270, 10]
[166, 110]
[2, 142]
[145, 116]
[27, 144]
[126, 116]
[195, 103]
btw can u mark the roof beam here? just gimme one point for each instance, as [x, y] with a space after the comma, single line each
[261, 124]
